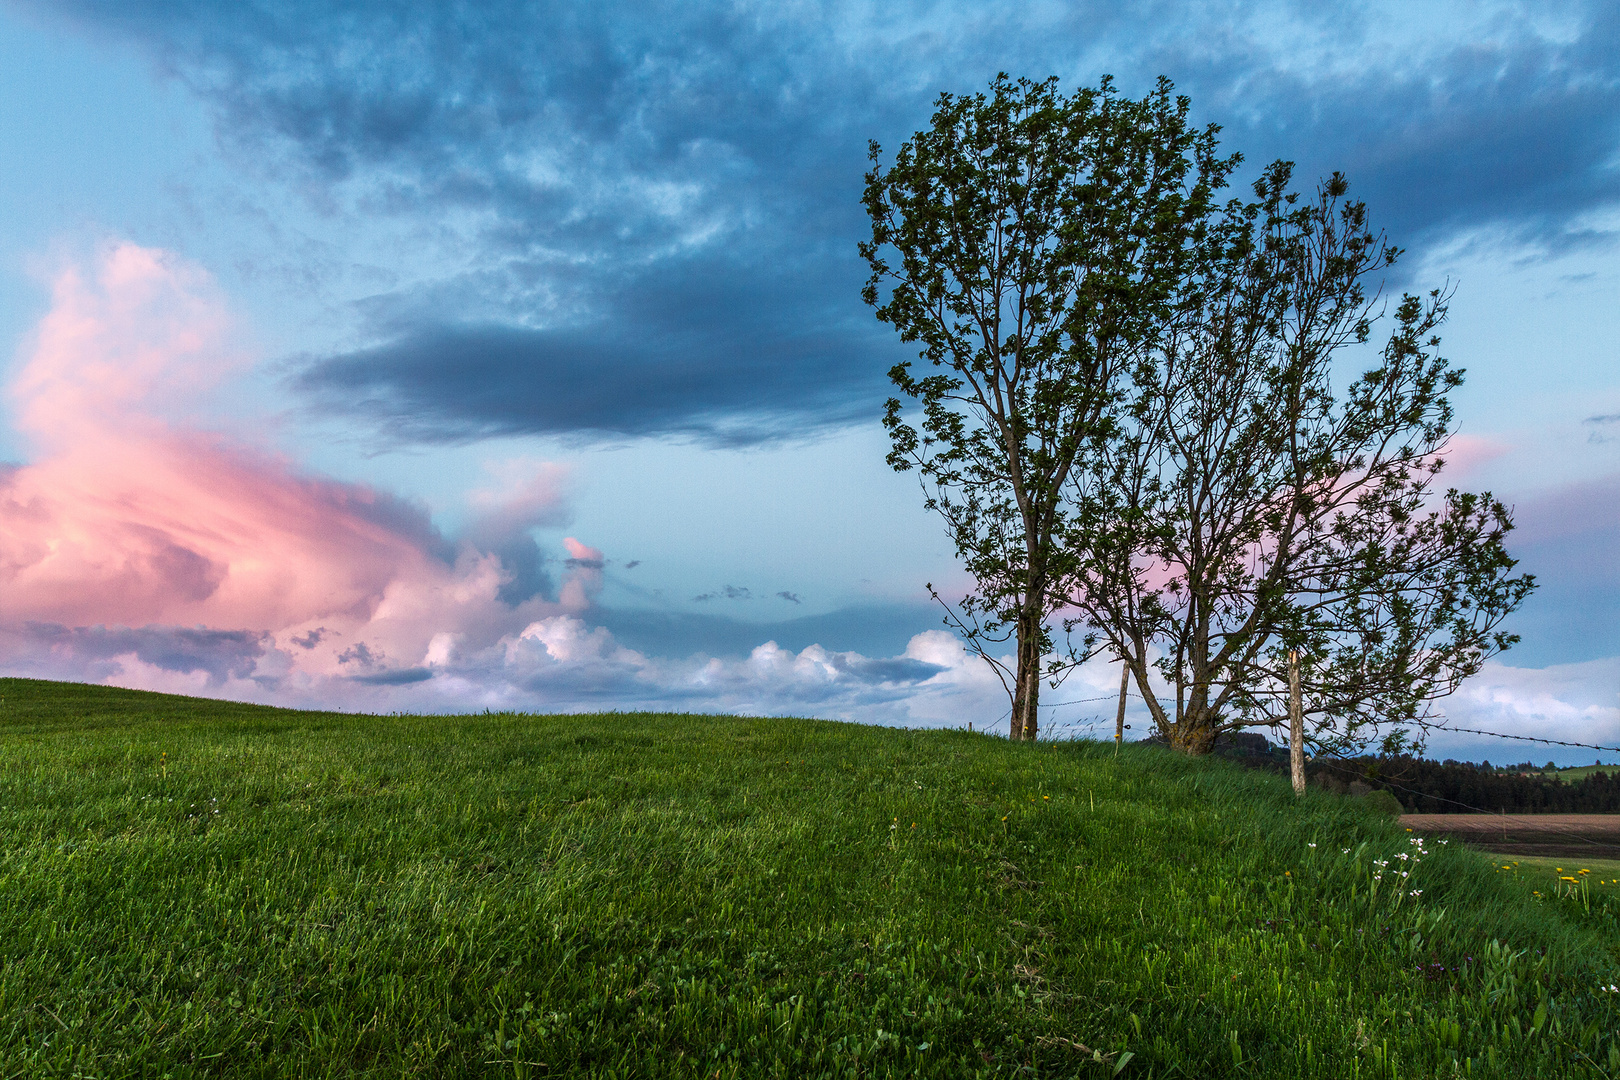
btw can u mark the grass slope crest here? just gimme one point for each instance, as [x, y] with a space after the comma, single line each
[201, 888]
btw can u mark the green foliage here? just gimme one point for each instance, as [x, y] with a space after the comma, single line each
[1127, 411]
[1038, 240]
[1384, 802]
[1245, 507]
[199, 887]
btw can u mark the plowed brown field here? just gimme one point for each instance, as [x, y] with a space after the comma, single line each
[1594, 836]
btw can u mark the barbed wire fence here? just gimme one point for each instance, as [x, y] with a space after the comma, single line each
[1053, 731]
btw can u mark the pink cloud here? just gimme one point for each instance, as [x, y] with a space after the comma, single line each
[582, 553]
[527, 494]
[1463, 454]
[129, 517]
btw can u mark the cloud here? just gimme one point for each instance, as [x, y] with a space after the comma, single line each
[562, 664]
[583, 555]
[129, 518]
[728, 592]
[728, 355]
[91, 653]
[640, 220]
[359, 653]
[311, 639]
[143, 549]
[1505, 118]
[1570, 539]
[529, 495]
[872, 629]
[402, 677]
[1602, 428]
[1565, 702]
[638, 200]
[1463, 454]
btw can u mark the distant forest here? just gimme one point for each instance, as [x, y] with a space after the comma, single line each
[1460, 787]
[1443, 787]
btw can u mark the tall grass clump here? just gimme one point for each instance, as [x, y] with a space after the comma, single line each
[200, 888]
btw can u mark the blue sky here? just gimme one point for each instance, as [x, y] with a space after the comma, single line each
[551, 313]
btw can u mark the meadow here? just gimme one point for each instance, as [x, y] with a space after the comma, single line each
[199, 888]
[1580, 772]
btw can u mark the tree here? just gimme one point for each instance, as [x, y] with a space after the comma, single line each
[1241, 509]
[1038, 240]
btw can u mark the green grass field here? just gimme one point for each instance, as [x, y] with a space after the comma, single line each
[1580, 772]
[199, 888]
[1546, 873]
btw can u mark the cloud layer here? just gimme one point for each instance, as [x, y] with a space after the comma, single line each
[142, 548]
[640, 219]
[132, 517]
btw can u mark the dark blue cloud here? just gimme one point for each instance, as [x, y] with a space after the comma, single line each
[1516, 129]
[706, 351]
[311, 639]
[728, 592]
[359, 653]
[896, 669]
[654, 206]
[221, 654]
[402, 677]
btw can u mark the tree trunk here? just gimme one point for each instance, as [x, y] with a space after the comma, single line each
[1027, 692]
[1192, 735]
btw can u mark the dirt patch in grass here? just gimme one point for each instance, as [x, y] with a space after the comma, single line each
[1559, 836]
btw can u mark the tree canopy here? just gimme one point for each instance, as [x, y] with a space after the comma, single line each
[1032, 244]
[1124, 410]
[1240, 508]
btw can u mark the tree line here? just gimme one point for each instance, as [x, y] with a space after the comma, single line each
[1425, 786]
[1128, 408]
[1459, 787]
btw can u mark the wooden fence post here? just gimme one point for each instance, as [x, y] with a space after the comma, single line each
[1119, 721]
[1296, 725]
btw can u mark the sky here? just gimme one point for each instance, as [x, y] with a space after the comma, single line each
[439, 357]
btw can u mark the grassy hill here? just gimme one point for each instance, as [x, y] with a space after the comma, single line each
[202, 888]
[1580, 772]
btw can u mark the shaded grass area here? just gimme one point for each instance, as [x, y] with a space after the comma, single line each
[201, 888]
